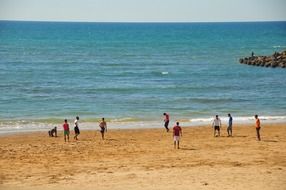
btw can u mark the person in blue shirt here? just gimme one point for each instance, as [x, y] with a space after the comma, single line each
[229, 128]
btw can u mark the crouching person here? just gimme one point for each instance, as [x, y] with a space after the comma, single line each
[53, 132]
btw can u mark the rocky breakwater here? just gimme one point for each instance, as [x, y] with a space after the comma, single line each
[278, 59]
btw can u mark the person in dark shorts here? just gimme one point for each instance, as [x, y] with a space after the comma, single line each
[229, 128]
[103, 128]
[257, 126]
[76, 128]
[217, 125]
[166, 120]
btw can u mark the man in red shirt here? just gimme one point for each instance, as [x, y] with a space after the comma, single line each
[166, 120]
[177, 132]
[66, 130]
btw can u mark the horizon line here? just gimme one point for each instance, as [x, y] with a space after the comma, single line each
[147, 22]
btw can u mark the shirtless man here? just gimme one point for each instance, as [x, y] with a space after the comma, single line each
[103, 128]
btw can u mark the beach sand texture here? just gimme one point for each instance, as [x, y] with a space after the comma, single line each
[146, 159]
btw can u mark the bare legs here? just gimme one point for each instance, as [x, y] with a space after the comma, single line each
[216, 129]
[102, 135]
[229, 131]
[178, 144]
[67, 137]
[258, 133]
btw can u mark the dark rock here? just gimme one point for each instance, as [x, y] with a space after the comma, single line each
[258, 63]
[274, 64]
[278, 59]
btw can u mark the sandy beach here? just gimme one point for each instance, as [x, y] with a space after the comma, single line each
[146, 159]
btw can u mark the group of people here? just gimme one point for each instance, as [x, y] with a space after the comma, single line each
[177, 130]
[216, 124]
[102, 125]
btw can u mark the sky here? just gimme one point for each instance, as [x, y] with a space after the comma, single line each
[144, 10]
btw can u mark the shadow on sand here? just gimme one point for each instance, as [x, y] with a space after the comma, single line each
[235, 136]
[269, 140]
[186, 148]
[239, 136]
[109, 139]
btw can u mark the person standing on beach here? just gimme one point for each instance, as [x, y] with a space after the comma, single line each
[217, 125]
[229, 128]
[76, 129]
[177, 133]
[257, 126]
[166, 120]
[66, 131]
[103, 128]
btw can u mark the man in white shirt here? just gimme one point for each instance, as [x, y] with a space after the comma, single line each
[216, 125]
[76, 128]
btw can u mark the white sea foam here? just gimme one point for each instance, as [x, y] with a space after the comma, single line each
[129, 123]
[278, 46]
[240, 119]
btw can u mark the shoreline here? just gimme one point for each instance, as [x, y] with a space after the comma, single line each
[97, 129]
[34, 125]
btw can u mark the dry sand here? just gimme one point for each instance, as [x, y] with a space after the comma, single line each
[146, 159]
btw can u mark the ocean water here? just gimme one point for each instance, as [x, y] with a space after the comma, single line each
[130, 73]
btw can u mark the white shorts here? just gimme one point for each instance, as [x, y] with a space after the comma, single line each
[176, 138]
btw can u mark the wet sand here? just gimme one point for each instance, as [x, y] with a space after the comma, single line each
[146, 159]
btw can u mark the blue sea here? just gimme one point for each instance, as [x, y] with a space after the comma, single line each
[131, 73]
